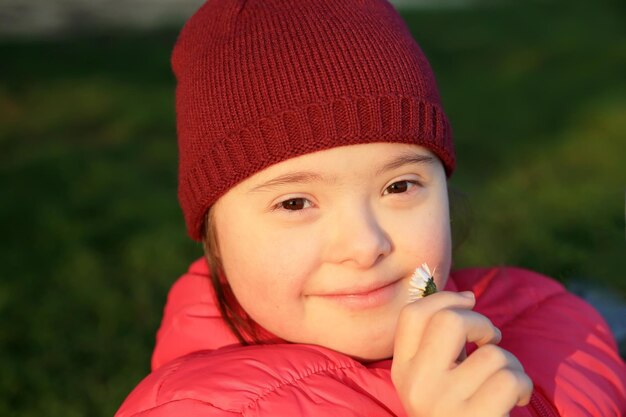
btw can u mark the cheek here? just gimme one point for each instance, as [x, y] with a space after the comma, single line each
[245, 258]
[424, 236]
[263, 263]
[440, 242]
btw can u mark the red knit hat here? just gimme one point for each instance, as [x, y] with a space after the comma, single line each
[262, 81]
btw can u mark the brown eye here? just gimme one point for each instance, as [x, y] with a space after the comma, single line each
[293, 204]
[398, 187]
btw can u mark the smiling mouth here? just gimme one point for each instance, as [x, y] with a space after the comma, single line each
[364, 298]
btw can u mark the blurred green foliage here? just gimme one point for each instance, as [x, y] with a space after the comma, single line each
[93, 237]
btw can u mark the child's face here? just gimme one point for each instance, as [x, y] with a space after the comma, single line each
[320, 248]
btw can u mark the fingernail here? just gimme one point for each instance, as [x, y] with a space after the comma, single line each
[467, 294]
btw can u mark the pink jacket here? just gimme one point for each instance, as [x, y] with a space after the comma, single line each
[200, 370]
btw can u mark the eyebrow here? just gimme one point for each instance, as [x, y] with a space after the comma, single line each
[307, 177]
[300, 177]
[406, 158]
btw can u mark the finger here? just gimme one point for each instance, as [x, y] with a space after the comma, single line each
[446, 334]
[415, 316]
[500, 393]
[483, 363]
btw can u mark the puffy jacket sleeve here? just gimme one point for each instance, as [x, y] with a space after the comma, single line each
[264, 380]
[563, 343]
[186, 407]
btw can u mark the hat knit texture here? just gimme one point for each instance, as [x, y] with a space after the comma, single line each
[262, 81]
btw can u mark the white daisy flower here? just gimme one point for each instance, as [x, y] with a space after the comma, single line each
[422, 283]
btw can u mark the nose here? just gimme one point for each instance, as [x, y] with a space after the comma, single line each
[357, 238]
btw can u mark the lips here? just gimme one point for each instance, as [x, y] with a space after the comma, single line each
[358, 291]
[374, 295]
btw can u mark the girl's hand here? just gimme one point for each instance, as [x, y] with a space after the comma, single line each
[430, 335]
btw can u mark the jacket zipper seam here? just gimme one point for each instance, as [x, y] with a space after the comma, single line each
[540, 407]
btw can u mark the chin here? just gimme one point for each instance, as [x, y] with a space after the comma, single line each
[372, 355]
[366, 351]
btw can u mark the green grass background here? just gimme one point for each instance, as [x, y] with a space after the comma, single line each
[92, 236]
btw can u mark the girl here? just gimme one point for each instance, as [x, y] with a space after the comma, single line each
[314, 155]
